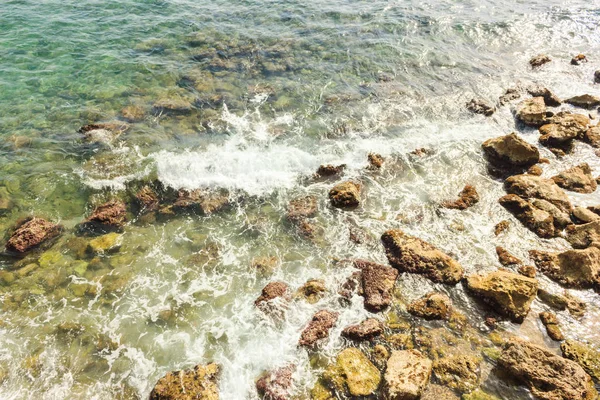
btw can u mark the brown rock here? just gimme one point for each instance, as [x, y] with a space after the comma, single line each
[561, 218]
[199, 383]
[407, 374]
[510, 151]
[562, 129]
[581, 236]
[108, 216]
[31, 233]
[103, 132]
[375, 161]
[431, 307]
[147, 199]
[548, 376]
[597, 76]
[410, 254]
[592, 136]
[509, 95]
[466, 198]
[572, 268]
[538, 221]
[550, 99]
[480, 107]
[318, 328]
[272, 291]
[584, 355]
[174, 106]
[527, 270]
[265, 265]
[506, 258]
[330, 170]
[559, 302]
[276, 385]
[345, 195]
[201, 201]
[532, 111]
[551, 323]
[377, 284]
[460, 372]
[535, 170]
[301, 208]
[366, 330]
[584, 101]
[133, 113]
[313, 290]
[583, 215]
[539, 60]
[535, 187]
[577, 179]
[501, 227]
[578, 59]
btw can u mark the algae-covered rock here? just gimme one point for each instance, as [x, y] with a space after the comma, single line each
[301, 208]
[353, 374]
[199, 383]
[572, 268]
[510, 151]
[584, 355]
[552, 327]
[345, 195]
[431, 307]
[107, 243]
[31, 233]
[460, 372]
[478, 395]
[406, 375]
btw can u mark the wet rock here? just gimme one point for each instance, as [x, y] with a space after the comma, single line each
[302, 208]
[30, 233]
[597, 76]
[438, 392]
[313, 290]
[562, 129]
[510, 151]
[108, 216]
[434, 306]
[506, 258]
[345, 195]
[318, 328]
[535, 187]
[584, 355]
[581, 236]
[422, 152]
[577, 179]
[201, 201]
[276, 385]
[559, 302]
[551, 323]
[174, 106]
[548, 376]
[508, 96]
[592, 136]
[510, 294]
[480, 107]
[272, 291]
[330, 170]
[406, 375]
[352, 374]
[199, 383]
[466, 198]
[578, 59]
[584, 101]
[572, 268]
[478, 395]
[532, 111]
[527, 270]
[410, 254]
[539, 60]
[107, 243]
[103, 132]
[377, 284]
[583, 215]
[147, 199]
[366, 330]
[535, 170]
[501, 227]
[375, 161]
[538, 221]
[561, 218]
[550, 99]
[460, 372]
[133, 113]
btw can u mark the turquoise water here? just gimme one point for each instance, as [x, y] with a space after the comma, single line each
[273, 90]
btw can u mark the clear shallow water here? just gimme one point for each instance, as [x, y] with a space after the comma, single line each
[277, 88]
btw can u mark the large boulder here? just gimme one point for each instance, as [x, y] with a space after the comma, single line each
[548, 376]
[538, 221]
[509, 293]
[536, 187]
[510, 151]
[581, 236]
[432, 306]
[466, 198]
[345, 195]
[577, 179]
[532, 111]
[276, 385]
[584, 101]
[366, 330]
[584, 355]
[578, 269]
[318, 328]
[411, 254]
[377, 284]
[406, 375]
[31, 233]
[352, 374]
[199, 383]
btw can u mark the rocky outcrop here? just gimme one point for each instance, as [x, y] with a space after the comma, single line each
[406, 375]
[561, 218]
[466, 198]
[352, 374]
[460, 372]
[277, 384]
[318, 328]
[345, 195]
[510, 151]
[377, 284]
[577, 179]
[199, 383]
[581, 236]
[550, 321]
[548, 376]
[477, 106]
[584, 355]
[30, 233]
[535, 187]
[434, 306]
[506, 258]
[538, 221]
[366, 330]
[108, 216]
[410, 254]
[550, 99]
[532, 111]
[572, 268]
[539, 60]
[584, 101]
[508, 293]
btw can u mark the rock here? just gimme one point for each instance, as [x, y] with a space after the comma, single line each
[538, 221]
[345, 195]
[510, 151]
[201, 201]
[535, 187]
[548, 376]
[302, 208]
[480, 107]
[527, 270]
[313, 290]
[509, 293]
[172, 106]
[577, 179]
[551, 323]
[199, 383]
[276, 385]
[584, 355]
[592, 136]
[578, 269]
[550, 99]
[438, 392]
[375, 161]
[597, 76]
[366, 330]
[535, 170]
[330, 170]
[103, 132]
[147, 199]
[583, 215]
[406, 375]
[478, 395]
[265, 265]
[31, 233]
[422, 152]
[107, 243]
[466, 198]
[108, 216]
[559, 302]
[584, 101]
[561, 218]
[508, 96]
[377, 284]
[581, 236]
[431, 307]
[133, 113]
[532, 111]
[353, 374]
[460, 372]
[410, 254]
[318, 328]
[272, 291]
[539, 60]
[501, 227]
[578, 59]
[562, 129]
[506, 258]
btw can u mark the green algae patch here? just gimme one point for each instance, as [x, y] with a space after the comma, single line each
[353, 374]
[105, 243]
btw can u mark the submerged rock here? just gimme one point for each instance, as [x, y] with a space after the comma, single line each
[551, 323]
[103, 132]
[466, 198]
[539, 60]
[301, 208]
[584, 355]
[506, 258]
[410, 254]
[532, 111]
[562, 302]
[577, 179]
[572, 268]
[480, 107]
[582, 236]
[548, 376]
[31, 233]
[431, 307]
[460, 372]
[366, 330]
[318, 328]
[105, 244]
[352, 374]
[406, 375]
[133, 113]
[377, 284]
[510, 294]
[584, 101]
[199, 383]
[510, 151]
[345, 195]
[535, 187]
[201, 201]
[174, 105]
[538, 221]
[276, 385]
[108, 216]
